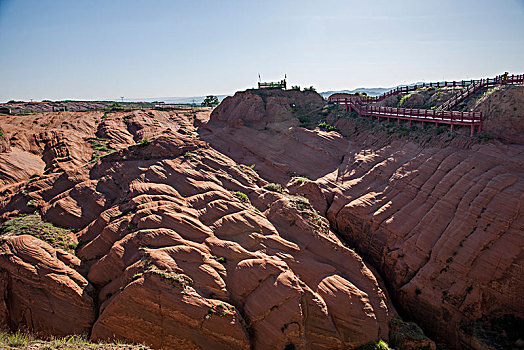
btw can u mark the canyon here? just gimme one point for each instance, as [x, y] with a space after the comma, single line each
[250, 226]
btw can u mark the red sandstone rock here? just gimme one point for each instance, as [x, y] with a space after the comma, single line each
[176, 253]
[39, 292]
[179, 259]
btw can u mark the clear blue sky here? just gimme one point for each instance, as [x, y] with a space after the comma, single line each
[98, 49]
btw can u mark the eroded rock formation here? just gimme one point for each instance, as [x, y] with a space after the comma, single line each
[183, 243]
[187, 250]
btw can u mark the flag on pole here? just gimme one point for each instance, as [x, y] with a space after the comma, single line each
[258, 76]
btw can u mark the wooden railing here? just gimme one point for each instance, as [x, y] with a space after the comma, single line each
[473, 119]
[503, 79]
[442, 114]
[478, 85]
[461, 96]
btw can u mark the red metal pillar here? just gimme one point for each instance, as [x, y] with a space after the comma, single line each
[451, 127]
[410, 122]
[398, 121]
[480, 122]
[422, 125]
[472, 130]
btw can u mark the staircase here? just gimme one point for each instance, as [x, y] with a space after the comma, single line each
[442, 115]
[462, 95]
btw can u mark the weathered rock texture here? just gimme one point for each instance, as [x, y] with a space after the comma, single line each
[185, 249]
[443, 224]
[503, 111]
[39, 292]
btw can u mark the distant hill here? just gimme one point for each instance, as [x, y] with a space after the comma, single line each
[198, 99]
[175, 100]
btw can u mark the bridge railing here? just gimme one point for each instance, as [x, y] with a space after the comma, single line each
[500, 79]
[428, 114]
[457, 117]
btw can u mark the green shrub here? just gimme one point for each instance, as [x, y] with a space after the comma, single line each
[311, 88]
[326, 127]
[295, 87]
[31, 203]
[116, 106]
[304, 120]
[301, 203]
[301, 179]
[241, 196]
[381, 345]
[222, 260]
[273, 187]
[144, 142]
[187, 154]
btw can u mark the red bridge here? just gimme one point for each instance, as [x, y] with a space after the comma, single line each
[441, 115]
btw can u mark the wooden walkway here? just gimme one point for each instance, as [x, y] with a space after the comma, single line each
[441, 115]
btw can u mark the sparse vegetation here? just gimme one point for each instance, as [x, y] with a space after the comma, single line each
[273, 187]
[33, 225]
[295, 87]
[100, 147]
[27, 341]
[301, 179]
[137, 276]
[326, 127]
[178, 278]
[380, 345]
[144, 142]
[116, 106]
[311, 88]
[405, 332]
[241, 196]
[301, 203]
[304, 120]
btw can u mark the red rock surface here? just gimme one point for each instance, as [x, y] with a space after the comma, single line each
[184, 246]
[442, 224]
[503, 111]
[39, 292]
[180, 260]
